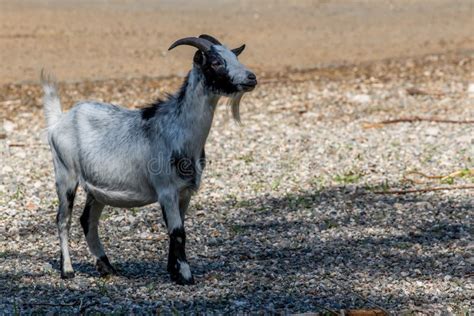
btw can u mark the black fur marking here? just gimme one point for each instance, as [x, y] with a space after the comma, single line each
[217, 78]
[154, 108]
[177, 252]
[177, 249]
[70, 195]
[85, 218]
[163, 210]
[104, 267]
[202, 159]
[105, 260]
[150, 111]
[185, 166]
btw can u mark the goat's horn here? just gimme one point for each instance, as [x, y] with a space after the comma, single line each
[210, 38]
[199, 43]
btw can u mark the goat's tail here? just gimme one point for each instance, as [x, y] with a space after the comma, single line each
[51, 102]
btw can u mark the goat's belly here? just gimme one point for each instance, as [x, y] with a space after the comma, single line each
[121, 198]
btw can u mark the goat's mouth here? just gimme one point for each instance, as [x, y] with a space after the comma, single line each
[246, 87]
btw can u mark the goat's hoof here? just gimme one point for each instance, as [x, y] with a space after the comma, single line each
[105, 268]
[180, 280]
[67, 275]
[181, 274]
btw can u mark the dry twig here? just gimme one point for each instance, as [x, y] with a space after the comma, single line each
[28, 145]
[416, 91]
[415, 119]
[429, 189]
[456, 174]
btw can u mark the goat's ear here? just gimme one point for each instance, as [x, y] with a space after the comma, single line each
[199, 58]
[238, 50]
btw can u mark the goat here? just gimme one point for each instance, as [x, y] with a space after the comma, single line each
[131, 158]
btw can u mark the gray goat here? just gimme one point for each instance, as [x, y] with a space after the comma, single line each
[131, 158]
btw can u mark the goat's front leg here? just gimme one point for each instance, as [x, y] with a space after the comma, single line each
[178, 266]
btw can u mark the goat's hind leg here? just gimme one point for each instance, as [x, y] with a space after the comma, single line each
[90, 224]
[66, 186]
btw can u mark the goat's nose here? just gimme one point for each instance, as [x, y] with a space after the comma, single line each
[251, 76]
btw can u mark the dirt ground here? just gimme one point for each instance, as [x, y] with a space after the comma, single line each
[295, 213]
[122, 39]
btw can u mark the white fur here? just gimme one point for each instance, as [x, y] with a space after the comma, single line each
[184, 269]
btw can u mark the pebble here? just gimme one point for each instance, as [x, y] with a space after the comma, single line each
[470, 90]
[8, 126]
[47, 267]
[361, 98]
[432, 131]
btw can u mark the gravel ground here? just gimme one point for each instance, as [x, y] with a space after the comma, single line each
[287, 220]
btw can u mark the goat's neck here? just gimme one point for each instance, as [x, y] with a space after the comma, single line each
[197, 106]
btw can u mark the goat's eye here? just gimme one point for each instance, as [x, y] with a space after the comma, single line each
[216, 63]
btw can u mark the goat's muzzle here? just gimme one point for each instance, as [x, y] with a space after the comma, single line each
[249, 83]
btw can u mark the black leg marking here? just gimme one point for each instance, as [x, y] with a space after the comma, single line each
[177, 246]
[177, 257]
[104, 267]
[202, 159]
[85, 218]
[70, 195]
[163, 210]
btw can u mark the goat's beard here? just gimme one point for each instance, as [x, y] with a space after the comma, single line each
[234, 102]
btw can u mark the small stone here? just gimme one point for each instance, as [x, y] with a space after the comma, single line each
[240, 303]
[8, 126]
[7, 169]
[31, 206]
[47, 267]
[470, 90]
[361, 98]
[432, 131]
